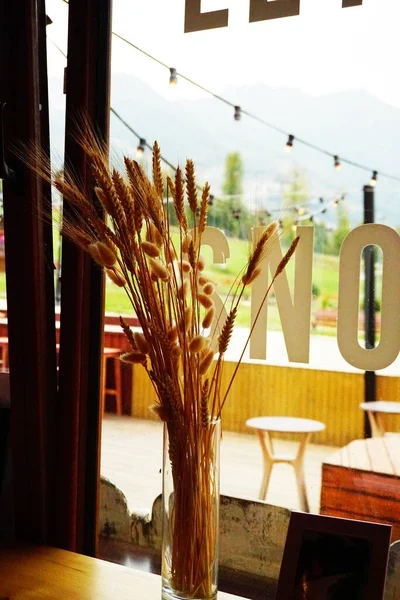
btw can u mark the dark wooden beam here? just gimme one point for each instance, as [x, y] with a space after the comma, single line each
[29, 268]
[82, 287]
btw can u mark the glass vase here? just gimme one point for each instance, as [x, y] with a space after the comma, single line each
[190, 511]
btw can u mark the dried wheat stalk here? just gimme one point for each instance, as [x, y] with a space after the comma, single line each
[173, 303]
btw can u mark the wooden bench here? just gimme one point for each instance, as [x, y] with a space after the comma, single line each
[327, 317]
[362, 481]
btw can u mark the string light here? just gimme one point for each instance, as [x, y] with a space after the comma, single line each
[289, 143]
[173, 79]
[374, 178]
[300, 210]
[141, 147]
[239, 111]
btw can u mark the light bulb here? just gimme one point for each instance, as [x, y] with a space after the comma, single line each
[141, 147]
[173, 79]
[289, 143]
[338, 166]
[374, 178]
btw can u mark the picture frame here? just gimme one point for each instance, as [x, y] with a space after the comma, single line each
[330, 558]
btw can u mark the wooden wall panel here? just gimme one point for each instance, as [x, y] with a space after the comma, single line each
[388, 388]
[259, 389]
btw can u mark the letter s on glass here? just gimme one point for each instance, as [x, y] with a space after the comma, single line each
[195, 20]
[263, 10]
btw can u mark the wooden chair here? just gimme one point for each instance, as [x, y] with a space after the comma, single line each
[111, 360]
[4, 352]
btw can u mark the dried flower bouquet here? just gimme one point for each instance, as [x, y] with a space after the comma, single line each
[180, 346]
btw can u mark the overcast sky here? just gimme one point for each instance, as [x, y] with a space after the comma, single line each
[323, 50]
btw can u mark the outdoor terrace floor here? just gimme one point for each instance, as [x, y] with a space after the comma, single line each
[132, 454]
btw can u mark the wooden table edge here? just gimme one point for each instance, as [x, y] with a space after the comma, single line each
[31, 572]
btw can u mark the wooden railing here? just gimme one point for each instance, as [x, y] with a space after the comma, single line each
[332, 397]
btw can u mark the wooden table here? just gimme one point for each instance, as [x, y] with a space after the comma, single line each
[362, 481]
[375, 410]
[265, 426]
[43, 573]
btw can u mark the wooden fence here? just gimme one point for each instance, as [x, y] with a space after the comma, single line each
[332, 397]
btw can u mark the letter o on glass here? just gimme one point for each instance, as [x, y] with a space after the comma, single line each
[349, 287]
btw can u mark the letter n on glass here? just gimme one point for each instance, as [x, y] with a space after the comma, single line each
[195, 20]
[263, 10]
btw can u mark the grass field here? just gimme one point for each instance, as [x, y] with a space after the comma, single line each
[325, 277]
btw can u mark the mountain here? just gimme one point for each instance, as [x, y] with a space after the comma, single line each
[352, 124]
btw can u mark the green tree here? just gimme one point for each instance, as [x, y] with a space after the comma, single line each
[342, 229]
[233, 183]
[297, 190]
[321, 237]
[229, 211]
[295, 196]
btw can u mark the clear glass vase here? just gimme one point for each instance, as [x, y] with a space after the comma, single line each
[190, 511]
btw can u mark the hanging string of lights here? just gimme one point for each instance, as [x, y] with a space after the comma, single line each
[142, 141]
[301, 210]
[239, 111]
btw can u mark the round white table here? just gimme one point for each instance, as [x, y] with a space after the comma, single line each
[374, 411]
[265, 427]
